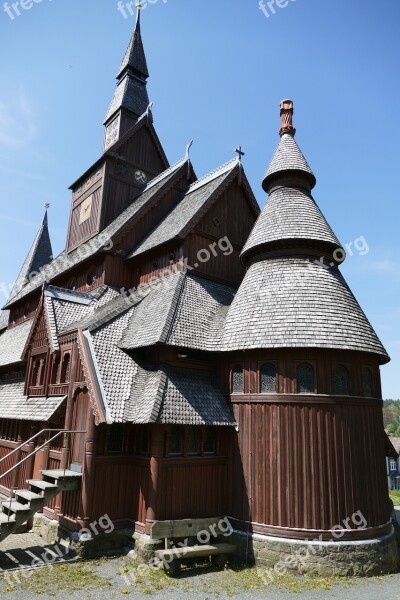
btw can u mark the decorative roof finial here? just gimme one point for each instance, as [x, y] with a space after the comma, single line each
[190, 144]
[287, 111]
[47, 205]
[139, 8]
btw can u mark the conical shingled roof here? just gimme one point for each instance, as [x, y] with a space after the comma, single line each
[289, 214]
[292, 298]
[295, 302]
[288, 158]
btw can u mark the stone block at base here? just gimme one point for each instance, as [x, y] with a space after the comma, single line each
[274, 557]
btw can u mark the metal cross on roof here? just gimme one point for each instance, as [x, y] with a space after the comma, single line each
[240, 152]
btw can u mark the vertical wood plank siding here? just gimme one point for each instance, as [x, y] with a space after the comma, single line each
[312, 465]
[120, 488]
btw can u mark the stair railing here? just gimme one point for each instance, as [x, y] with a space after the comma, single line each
[29, 456]
[31, 440]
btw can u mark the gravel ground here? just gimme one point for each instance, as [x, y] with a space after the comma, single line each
[113, 578]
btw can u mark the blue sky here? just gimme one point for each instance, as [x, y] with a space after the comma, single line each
[217, 73]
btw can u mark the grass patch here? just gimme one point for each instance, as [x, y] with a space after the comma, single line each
[49, 580]
[394, 495]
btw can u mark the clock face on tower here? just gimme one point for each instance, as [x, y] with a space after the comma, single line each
[141, 177]
[86, 209]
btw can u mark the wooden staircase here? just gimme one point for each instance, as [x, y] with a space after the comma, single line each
[24, 504]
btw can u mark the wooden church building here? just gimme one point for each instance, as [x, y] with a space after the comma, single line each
[192, 356]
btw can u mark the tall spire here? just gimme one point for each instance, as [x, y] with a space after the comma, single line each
[39, 255]
[135, 58]
[131, 98]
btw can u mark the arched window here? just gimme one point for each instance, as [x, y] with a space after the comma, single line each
[367, 382]
[341, 381]
[305, 378]
[65, 369]
[237, 383]
[268, 379]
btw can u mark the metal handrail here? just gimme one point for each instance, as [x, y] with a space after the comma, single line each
[30, 440]
[29, 456]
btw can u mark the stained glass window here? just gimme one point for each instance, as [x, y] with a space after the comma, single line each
[341, 380]
[237, 380]
[367, 382]
[268, 378]
[305, 378]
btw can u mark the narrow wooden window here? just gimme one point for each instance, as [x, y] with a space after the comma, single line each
[237, 383]
[193, 441]
[367, 382]
[41, 371]
[175, 441]
[305, 378]
[341, 381]
[115, 442]
[35, 373]
[56, 369]
[268, 379]
[210, 441]
[65, 369]
[142, 448]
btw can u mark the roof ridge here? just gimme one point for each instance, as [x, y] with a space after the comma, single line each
[213, 174]
[165, 173]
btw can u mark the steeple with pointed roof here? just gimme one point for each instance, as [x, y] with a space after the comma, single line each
[39, 255]
[131, 98]
[293, 294]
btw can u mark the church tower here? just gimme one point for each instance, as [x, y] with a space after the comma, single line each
[305, 379]
[132, 153]
[130, 99]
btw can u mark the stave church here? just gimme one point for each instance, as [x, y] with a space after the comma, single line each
[189, 356]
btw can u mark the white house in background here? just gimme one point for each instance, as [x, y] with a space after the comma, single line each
[393, 465]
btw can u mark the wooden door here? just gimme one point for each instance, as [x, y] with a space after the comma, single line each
[79, 423]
